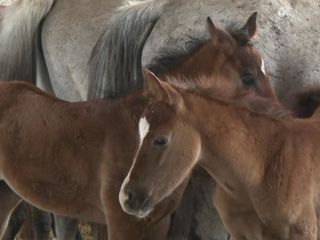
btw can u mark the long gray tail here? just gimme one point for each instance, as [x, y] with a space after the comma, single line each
[17, 38]
[114, 58]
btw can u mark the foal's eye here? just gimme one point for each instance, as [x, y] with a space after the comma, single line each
[248, 79]
[160, 141]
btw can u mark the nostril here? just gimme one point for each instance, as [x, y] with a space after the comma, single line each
[135, 200]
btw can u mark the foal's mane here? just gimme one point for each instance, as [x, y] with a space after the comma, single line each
[203, 87]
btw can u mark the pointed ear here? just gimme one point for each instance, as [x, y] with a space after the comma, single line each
[159, 90]
[153, 86]
[250, 27]
[213, 30]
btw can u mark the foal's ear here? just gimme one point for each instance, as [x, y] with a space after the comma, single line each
[250, 27]
[213, 30]
[157, 89]
[152, 84]
[247, 32]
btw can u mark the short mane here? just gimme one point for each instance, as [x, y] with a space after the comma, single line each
[203, 87]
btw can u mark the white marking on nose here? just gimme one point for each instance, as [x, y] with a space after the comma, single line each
[123, 197]
[143, 129]
[263, 68]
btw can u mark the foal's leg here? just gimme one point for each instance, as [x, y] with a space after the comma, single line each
[41, 223]
[26, 230]
[16, 220]
[66, 228]
[240, 220]
[8, 200]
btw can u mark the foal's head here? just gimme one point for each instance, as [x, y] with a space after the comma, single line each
[169, 147]
[233, 53]
[167, 152]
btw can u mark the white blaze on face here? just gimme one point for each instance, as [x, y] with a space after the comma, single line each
[143, 129]
[263, 68]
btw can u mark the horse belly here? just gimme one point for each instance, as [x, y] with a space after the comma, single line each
[52, 191]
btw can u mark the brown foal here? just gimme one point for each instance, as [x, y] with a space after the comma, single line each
[267, 168]
[84, 150]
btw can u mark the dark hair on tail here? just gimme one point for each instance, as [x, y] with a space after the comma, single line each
[115, 65]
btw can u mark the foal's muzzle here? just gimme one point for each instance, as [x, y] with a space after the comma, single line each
[135, 202]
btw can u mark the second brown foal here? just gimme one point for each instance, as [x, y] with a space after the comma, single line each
[268, 168]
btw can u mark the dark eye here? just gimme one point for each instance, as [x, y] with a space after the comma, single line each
[160, 141]
[248, 79]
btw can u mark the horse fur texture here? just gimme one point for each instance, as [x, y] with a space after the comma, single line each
[285, 36]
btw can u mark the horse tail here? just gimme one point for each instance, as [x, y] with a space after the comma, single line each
[114, 58]
[18, 32]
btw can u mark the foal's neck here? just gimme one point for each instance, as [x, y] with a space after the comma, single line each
[236, 142]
